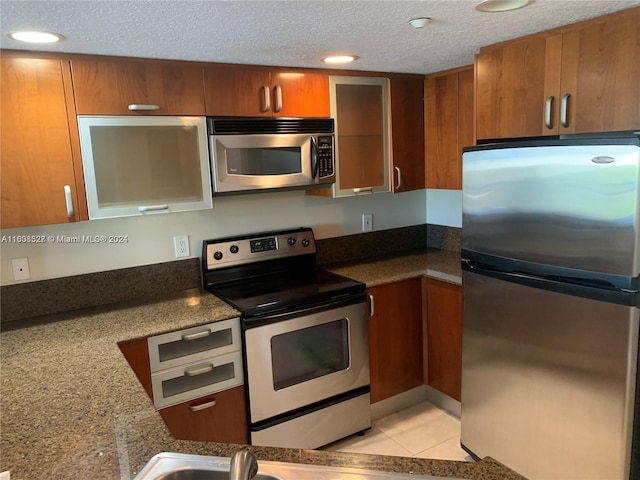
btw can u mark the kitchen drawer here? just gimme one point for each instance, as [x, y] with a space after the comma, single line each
[197, 379]
[221, 417]
[193, 344]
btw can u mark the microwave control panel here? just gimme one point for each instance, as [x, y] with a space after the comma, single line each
[325, 156]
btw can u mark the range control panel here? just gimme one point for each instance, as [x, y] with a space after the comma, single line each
[250, 249]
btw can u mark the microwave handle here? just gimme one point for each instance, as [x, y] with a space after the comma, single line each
[314, 158]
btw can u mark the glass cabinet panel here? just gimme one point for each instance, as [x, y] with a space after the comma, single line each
[135, 166]
[360, 107]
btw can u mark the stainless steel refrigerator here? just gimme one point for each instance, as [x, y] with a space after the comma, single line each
[551, 264]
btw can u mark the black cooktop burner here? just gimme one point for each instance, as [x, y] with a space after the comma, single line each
[271, 293]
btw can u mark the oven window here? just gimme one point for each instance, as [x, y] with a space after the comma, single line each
[309, 353]
[264, 161]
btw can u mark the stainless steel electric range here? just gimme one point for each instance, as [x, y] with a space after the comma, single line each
[305, 333]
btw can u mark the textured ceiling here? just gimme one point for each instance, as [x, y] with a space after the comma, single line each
[290, 32]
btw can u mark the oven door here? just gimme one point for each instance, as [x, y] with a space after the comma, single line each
[297, 359]
[257, 161]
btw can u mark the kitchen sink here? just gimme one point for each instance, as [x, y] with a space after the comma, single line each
[198, 474]
[179, 466]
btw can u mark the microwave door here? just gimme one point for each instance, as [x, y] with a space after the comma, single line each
[257, 161]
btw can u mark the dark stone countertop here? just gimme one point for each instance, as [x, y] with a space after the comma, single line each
[73, 409]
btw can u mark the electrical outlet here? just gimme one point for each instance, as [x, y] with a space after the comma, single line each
[20, 269]
[181, 245]
[367, 222]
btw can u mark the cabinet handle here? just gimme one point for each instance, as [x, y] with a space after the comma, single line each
[140, 107]
[363, 190]
[548, 106]
[199, 370]
[372, 306]
[399, 175]
[564, 110]
[202, 406]
[68, 200]
[267, 101]
[153, 208]
[196, 335]
[278, 90]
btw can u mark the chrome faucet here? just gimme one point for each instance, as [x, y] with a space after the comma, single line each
[244, 465]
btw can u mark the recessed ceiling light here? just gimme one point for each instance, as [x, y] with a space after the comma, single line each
[338, 59]
[35, 37]
[419, 22]
[493, 6]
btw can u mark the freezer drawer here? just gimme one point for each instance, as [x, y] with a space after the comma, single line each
[572, 206]
[548, 380]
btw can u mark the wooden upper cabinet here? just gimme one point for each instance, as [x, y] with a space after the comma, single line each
[510, 89]
[448, 126]
[601, 75]
[303, 94]
[260, 91]
[577, 79]
[104, 87]
[407, 133]
[40, 177]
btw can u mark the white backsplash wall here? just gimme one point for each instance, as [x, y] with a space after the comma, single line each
[444, 207]
[150, 238]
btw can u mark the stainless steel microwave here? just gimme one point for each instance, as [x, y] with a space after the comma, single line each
[250, 154]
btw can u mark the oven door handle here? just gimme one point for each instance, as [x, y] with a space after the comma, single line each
[343, 301]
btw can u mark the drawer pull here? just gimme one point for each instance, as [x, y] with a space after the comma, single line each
[196, 335]
[141, 107]
[153, 208]
[363, 190]
[199, 370]
[202, 406]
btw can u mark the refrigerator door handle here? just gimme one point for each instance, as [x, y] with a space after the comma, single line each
[598, 290]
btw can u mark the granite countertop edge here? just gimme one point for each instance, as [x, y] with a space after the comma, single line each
[77, 423]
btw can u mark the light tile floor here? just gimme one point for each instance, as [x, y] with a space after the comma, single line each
[423, 431]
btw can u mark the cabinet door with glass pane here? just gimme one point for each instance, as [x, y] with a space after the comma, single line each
[360, 107]
[144, 165]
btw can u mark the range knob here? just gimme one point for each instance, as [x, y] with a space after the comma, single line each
[217, 255]
[291, 240]
[305, 242]
[233, 249]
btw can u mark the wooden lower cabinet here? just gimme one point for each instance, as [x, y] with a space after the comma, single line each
[221, 417]
[444, 337]
[395, 338]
